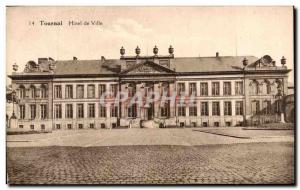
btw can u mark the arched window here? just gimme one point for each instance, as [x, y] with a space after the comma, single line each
[22, 92]
[32, 92]
[43, 91]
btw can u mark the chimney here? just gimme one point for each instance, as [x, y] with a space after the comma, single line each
[74, 58]
[217, 54]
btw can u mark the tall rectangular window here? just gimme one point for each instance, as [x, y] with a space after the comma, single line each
[227, 88]
[267, 107]
[102, 111]
[113, 111]
[102, 89]
[91, 110]
[215, 108]
[57, 91]
[181, 111]
[69, 91]
[180, 88]
[132, 110]
[43, 111]
[91, 91]
[113, 90]
[22, 111]
[192, 89]
[193, 109]
[80, 111]
[57, 111]
[255, 107]
[238, 88]
[215, 90]
[22, 92]
[69, 110]
[204, 108]
[227, 108]
[80, 91]
[204, 89]
[239, 109]
[32, 111]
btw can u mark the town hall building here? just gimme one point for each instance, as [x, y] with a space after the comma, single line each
[225, 91]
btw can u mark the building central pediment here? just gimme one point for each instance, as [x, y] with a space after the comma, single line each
[147, 68]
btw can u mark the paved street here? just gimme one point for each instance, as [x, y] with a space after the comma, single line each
[151, 156]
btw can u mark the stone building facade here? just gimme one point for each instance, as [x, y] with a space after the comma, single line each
[199, 91]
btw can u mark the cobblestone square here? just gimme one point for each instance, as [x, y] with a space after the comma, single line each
[245, 163]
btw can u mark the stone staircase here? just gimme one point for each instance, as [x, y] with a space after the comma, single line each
[151, 124]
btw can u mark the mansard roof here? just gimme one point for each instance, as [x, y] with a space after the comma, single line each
[180, 65]
[211, 64]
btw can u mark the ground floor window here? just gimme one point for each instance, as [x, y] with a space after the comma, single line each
[181, 111]
[193, 111]
[32, 111]
[102, 111]
[21, 126]
[114, 111]
[80, 126]
[91, 110]
[239, 109]
[204, 108]
[204, 124]
[102, 125]
[22, 111]
[227, 108]
[32, 127]
[43, 111]
[267, 107]
[69, 126]
[228, 124]
[215, 108]
[255, 107]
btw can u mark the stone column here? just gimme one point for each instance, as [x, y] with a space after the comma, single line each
[221, 102]
[156, 104]
[233, 108]
[63, 91]
[209, 88]
[171, 92]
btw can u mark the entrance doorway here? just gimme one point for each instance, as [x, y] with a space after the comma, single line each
[150, 112]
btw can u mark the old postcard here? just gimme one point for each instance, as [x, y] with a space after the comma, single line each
[150, 95]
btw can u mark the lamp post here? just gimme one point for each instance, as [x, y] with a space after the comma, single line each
[13, 101]
[245, 63]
